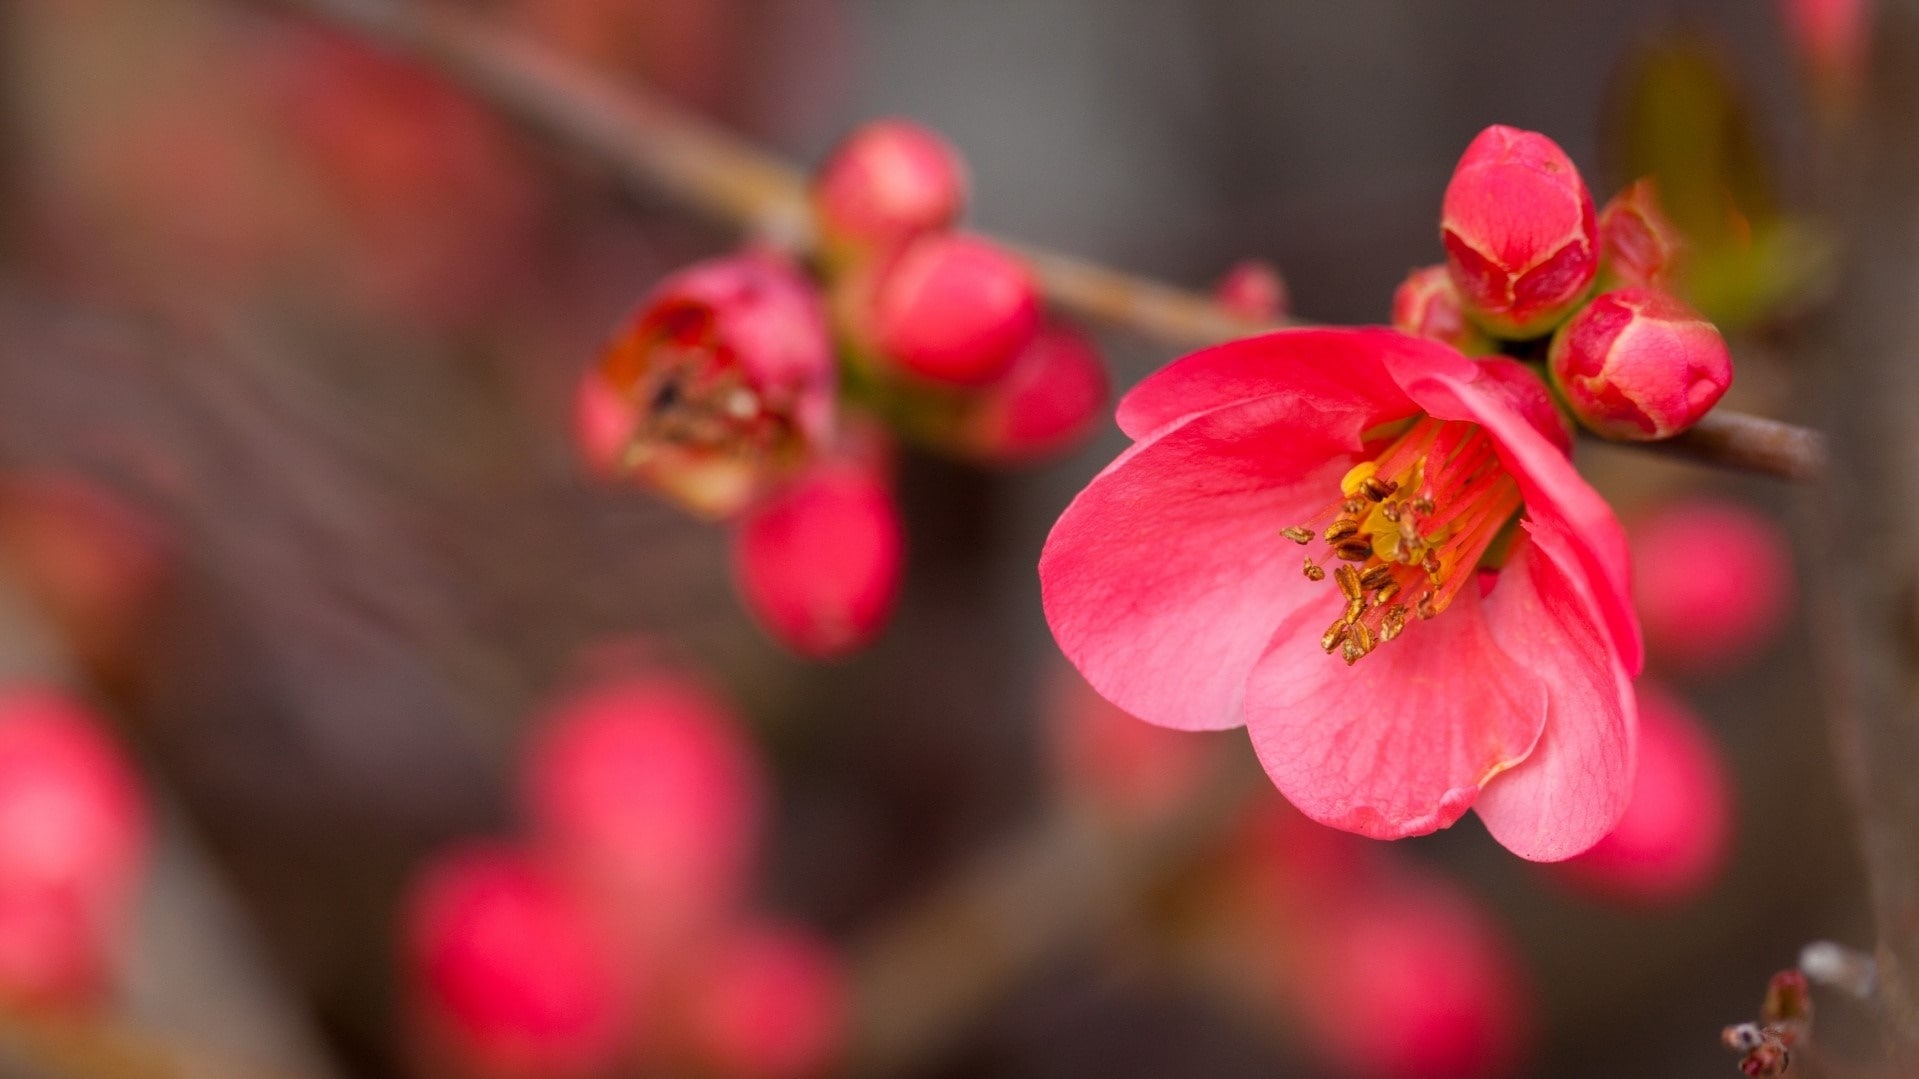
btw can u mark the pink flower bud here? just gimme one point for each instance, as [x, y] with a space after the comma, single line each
[1427, 304]
[1639, 246]
[729, 376]
[769, 1003]
[953, 309]
[1637, 364]
[1049, 400]
[1130, 770]
[1672, 841]
[888, 182]
[1713, 582]
[508, 977]
[1521, 388]
[648, 795]
[1254, 290]
[1519, 230]
[1411, 979]
[819, 562]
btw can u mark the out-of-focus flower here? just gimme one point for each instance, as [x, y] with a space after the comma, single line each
[1472, 583]
[1638, 364]
[949, 309]
[1713, 582]
[1427, 304]
[73, 842]
[727, 375]
[1520, 232]
[1831, 37]
[649, 797]
[1639, 246]
[768, 1003]
[1131, 771]
[508, 976]
[1672, 842]
[889, 181]
[90, 560]
[1045, 403]
[819, 561]
[1410, 979]
[1254, 290]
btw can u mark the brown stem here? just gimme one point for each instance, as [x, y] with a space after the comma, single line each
[656, 148]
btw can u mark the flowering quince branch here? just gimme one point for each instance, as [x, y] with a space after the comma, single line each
[656, 148]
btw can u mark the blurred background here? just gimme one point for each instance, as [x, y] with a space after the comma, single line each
[290, 330]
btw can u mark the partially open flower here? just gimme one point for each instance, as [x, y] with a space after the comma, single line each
[508, 977]
[1427, 304]
[949, 309]
[1639, 246]
[1450, 630]
[1673, 840]
[1520, 232]
[889, 181]
[1637, 364]
[648, 795]
[818, 563]
[727, 375]
[1048, 401]
[768, 1003]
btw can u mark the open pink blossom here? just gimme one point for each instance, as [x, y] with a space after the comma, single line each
[1458, 634]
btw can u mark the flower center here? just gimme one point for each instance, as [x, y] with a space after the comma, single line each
[1408, 530]
[690, 393]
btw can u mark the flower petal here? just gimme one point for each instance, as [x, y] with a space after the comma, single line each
[1336, 372]
[1165, 578]
[1553, 490]
[1574, 787]
[1400, 743]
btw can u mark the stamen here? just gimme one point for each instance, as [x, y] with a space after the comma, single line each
[1341, 529]
[1301, 536]
[1313, 572]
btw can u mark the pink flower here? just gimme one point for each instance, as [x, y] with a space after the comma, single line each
[1713, 585]
[1047, 402]
[889, 181]
[1409, 473]
[1254, 290]
[769, 1003]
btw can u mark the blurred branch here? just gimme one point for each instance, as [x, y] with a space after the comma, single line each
[654, 147]
[60, 1046]
[1869, 610]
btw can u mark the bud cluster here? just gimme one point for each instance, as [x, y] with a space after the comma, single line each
[615, 937]
[752, 389]
[1531, 267]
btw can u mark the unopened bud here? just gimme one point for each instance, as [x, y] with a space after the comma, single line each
[1427, 304]
[1639, 246]
[819, 562]
[727, 374]
[1520, 231]
[1254, 290]
[1636, 364]
[1048, 401]
[1525, 392]
[951, 309]
[888, 182]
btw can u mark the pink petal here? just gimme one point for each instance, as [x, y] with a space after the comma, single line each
[1576, 784]
[1165, 578]
[1336, 373]
[1553, 489]
[1399, 743]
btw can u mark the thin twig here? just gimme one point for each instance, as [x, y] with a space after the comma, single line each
[656, 148]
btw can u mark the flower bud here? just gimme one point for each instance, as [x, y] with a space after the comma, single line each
[1639, 246]
[1427, 304]
[1526, 392]
[648, 796]
[1254, 290]
[1048, 401]
[888, 182]
[949, 309]
[1712, 581]
[728, 374]
[769, 1003]
[1672, 841]
[508, 977]
[1637, 364]
[1411, 979]
[1519, 230]
[819, 562]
